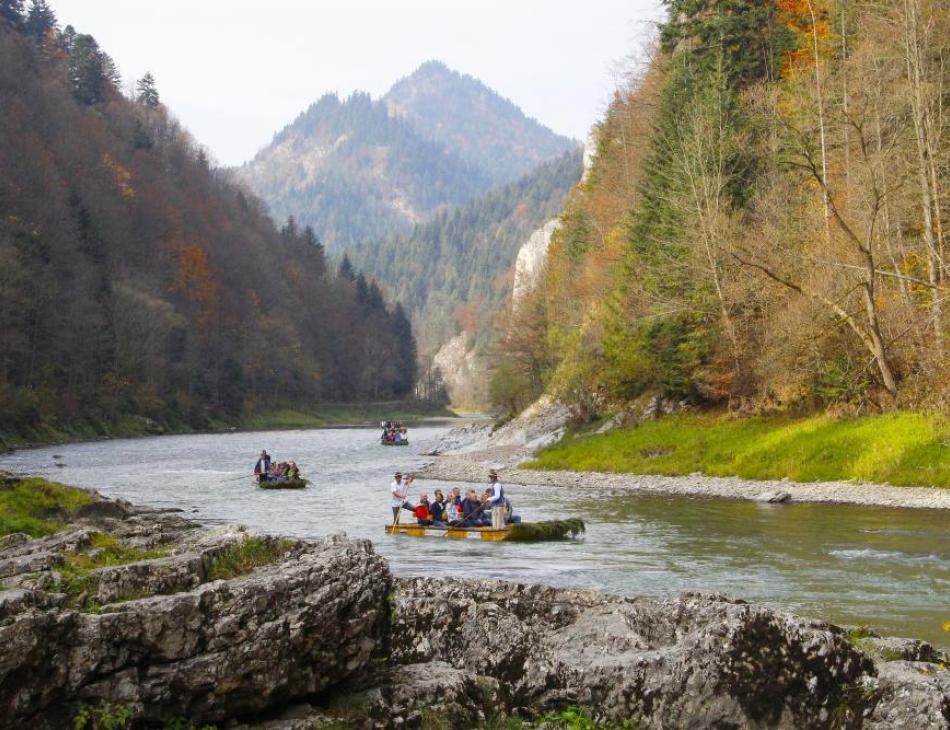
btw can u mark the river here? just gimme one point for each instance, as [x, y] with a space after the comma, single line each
[886, 568]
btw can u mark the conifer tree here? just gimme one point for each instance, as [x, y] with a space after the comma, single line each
[68, 38]
[86, 70]
[289, 231]
[11, 12]
[345, 271]
[40, 19]
[310, 238]
[147, 91]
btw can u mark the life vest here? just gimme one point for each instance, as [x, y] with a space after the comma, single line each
[422, 512]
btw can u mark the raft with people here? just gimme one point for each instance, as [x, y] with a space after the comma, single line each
[490, 517]
[270, 474]
[394, 434]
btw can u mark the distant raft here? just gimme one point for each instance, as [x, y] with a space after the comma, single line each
[384, 442]
[282, 483]
[519, 532]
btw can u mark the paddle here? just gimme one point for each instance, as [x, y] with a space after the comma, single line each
[243, 476]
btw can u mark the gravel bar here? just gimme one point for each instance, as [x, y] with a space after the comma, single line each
[472, 467]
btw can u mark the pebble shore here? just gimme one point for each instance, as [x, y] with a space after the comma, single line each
[472, 467]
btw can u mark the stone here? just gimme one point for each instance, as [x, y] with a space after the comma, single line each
[208, 651]
[777, 497]
[698, 661]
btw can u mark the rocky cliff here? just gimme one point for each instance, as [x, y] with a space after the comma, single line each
[131, 617]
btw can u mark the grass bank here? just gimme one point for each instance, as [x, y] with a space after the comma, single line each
[36, 506]
[903, 449]
[318, 416]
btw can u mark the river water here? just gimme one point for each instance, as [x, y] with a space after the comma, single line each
[887, 568]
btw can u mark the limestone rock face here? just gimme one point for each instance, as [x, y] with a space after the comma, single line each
[531, 258]
[463, 370]
[698, 661]
[218, 650]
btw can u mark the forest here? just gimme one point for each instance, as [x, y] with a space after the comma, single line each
[764, 227]
[453, 272]
[137, 281]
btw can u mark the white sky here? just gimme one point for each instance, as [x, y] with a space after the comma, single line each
[236, 71]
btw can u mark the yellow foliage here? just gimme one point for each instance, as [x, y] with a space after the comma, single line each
[122, 175]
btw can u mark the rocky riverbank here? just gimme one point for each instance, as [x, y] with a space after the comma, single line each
[132, 617]
[466, 454]
[473, 466]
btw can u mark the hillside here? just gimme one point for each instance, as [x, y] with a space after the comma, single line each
[358, 169]
[483, 128]
[764, 226]
[352, 172]
[137, 282]
[453, 271]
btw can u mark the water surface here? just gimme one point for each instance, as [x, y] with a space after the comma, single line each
[886, 568]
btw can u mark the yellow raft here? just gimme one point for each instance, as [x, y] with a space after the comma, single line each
[453, 533]
[519, 531]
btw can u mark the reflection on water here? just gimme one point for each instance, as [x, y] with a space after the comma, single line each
[883, 567]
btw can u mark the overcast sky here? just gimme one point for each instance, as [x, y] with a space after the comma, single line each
[236, 71]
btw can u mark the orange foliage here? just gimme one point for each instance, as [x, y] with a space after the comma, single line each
[196, 280]
[807, 19]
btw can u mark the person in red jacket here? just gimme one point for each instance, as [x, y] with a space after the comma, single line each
[423, 516]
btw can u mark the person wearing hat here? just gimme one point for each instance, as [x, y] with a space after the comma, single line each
[496, 501]
[399, 490]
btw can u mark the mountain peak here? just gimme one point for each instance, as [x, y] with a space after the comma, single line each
[479, 124]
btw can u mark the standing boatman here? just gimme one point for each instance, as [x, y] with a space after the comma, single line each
[399, 490]
[496, 501]
[262, 466]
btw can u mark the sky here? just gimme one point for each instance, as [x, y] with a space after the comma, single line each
[237, 71]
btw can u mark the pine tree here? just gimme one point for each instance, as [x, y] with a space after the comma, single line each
[11, 12]
[40, 19]
[374, 297]
[110, 72]
[147, 91]
[406, 352]
[86, 71]
[345, 271]
[290, 231]
[362, 290]
[68, 38]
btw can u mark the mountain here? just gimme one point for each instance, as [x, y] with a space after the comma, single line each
[358, 169]
[485, 129]
[352, 171]
[137, 282]
[456, 266]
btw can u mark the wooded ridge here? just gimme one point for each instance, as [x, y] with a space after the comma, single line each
[764, 223]
[136, 280]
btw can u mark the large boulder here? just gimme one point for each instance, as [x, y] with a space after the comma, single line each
[697, 661]
[222, 649]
